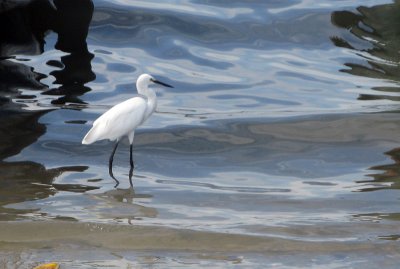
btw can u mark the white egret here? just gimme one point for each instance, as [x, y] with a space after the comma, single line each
[123, 119]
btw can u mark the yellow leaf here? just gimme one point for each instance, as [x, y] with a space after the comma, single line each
[52, 265]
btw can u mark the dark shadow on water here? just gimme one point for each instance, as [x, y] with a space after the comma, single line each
[24, 27]
[374, 33]
[389, 178]
[29, 181]
[18, 130]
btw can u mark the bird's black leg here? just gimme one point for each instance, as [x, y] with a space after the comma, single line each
[131, 158]
[130, 176]
[110, 163]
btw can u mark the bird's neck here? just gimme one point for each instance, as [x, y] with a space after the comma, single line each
[146, 91]
[151, 101]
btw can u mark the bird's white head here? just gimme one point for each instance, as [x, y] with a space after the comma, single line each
[143, 82]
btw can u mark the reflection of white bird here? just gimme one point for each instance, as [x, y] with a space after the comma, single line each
[122, 119]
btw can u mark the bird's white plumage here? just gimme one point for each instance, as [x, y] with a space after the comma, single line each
[122, 119]
[119, 121]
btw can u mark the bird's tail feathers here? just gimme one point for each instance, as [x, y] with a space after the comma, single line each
[90, 137]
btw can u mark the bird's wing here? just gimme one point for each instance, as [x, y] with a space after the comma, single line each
[119, 121]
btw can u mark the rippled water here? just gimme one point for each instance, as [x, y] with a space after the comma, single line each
[278, 146]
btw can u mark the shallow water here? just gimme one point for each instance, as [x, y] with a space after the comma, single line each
[277, 146]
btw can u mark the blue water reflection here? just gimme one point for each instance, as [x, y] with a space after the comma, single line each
[282, 124]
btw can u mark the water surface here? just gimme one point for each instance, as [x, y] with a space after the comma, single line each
[277, 146]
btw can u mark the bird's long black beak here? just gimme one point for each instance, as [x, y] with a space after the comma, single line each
[161, 83]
